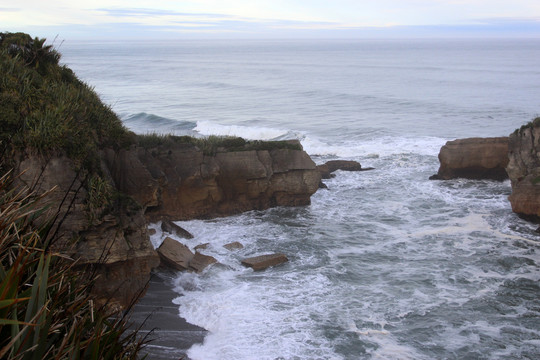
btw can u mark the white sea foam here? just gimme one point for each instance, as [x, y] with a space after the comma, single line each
[372, 148]
[424, 270]
[247, 132]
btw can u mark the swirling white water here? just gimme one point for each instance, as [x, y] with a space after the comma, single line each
[384, 264]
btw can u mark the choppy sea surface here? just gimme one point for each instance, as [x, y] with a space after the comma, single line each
[384, 264]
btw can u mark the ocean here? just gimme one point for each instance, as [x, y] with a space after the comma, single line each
[383, 264]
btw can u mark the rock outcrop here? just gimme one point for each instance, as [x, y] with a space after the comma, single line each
[474, 158]
[181, 182]
[108, 233]
[115, 246]
[524, 170]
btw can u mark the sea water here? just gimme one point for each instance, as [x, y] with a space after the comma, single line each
[383, 264]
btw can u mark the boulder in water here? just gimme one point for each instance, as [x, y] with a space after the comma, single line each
[265, 261]
[175, 254]
[172, 228]
[199, 262]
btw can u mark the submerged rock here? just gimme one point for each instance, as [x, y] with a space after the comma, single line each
[265, 261]
[233, 246]
[473, 158]
[201, 246]
[331, 166]
[345, 165]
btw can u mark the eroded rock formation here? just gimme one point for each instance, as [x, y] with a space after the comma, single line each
[181, 182]
[176, 182]
[474, 158]
[524, 170]
[114, 247]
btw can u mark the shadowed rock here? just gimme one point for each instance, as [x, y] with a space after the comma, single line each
[345, 165]
[172, 228]
[175, 254]
[264, 261]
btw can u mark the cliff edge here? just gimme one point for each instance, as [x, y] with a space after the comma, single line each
[524, 170]
[181, 182]
[102, 220]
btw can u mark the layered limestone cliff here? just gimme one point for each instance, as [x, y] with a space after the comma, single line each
[180, 182]
[177, 182]
[113, 247]
[474, 158]
[524, 170]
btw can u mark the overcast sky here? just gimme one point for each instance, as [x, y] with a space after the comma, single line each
[270, 18]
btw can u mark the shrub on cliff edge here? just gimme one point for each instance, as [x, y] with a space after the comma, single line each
[44, 107]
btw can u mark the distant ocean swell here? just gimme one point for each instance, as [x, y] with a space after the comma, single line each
[371, 143]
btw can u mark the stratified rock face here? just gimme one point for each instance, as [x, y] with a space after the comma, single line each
[173, 182]
[524, 171]
[180, 182]
[474, 158]
[116, 247]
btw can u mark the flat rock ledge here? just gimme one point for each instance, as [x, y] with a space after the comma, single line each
[263, 262]
[178, 256]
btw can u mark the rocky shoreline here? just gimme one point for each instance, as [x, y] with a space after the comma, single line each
[182, 182]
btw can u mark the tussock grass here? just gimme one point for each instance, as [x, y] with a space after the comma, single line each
[213, 144]
[45, 107]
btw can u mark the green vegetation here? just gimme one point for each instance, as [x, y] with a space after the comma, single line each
[45, 108]
[45, 309]
[530, 124]
[213, 144]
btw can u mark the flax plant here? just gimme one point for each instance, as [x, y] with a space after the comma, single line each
[45, 308]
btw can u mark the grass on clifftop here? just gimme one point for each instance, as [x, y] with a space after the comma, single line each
[44, 107]
[213, 144]
[530, 124]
